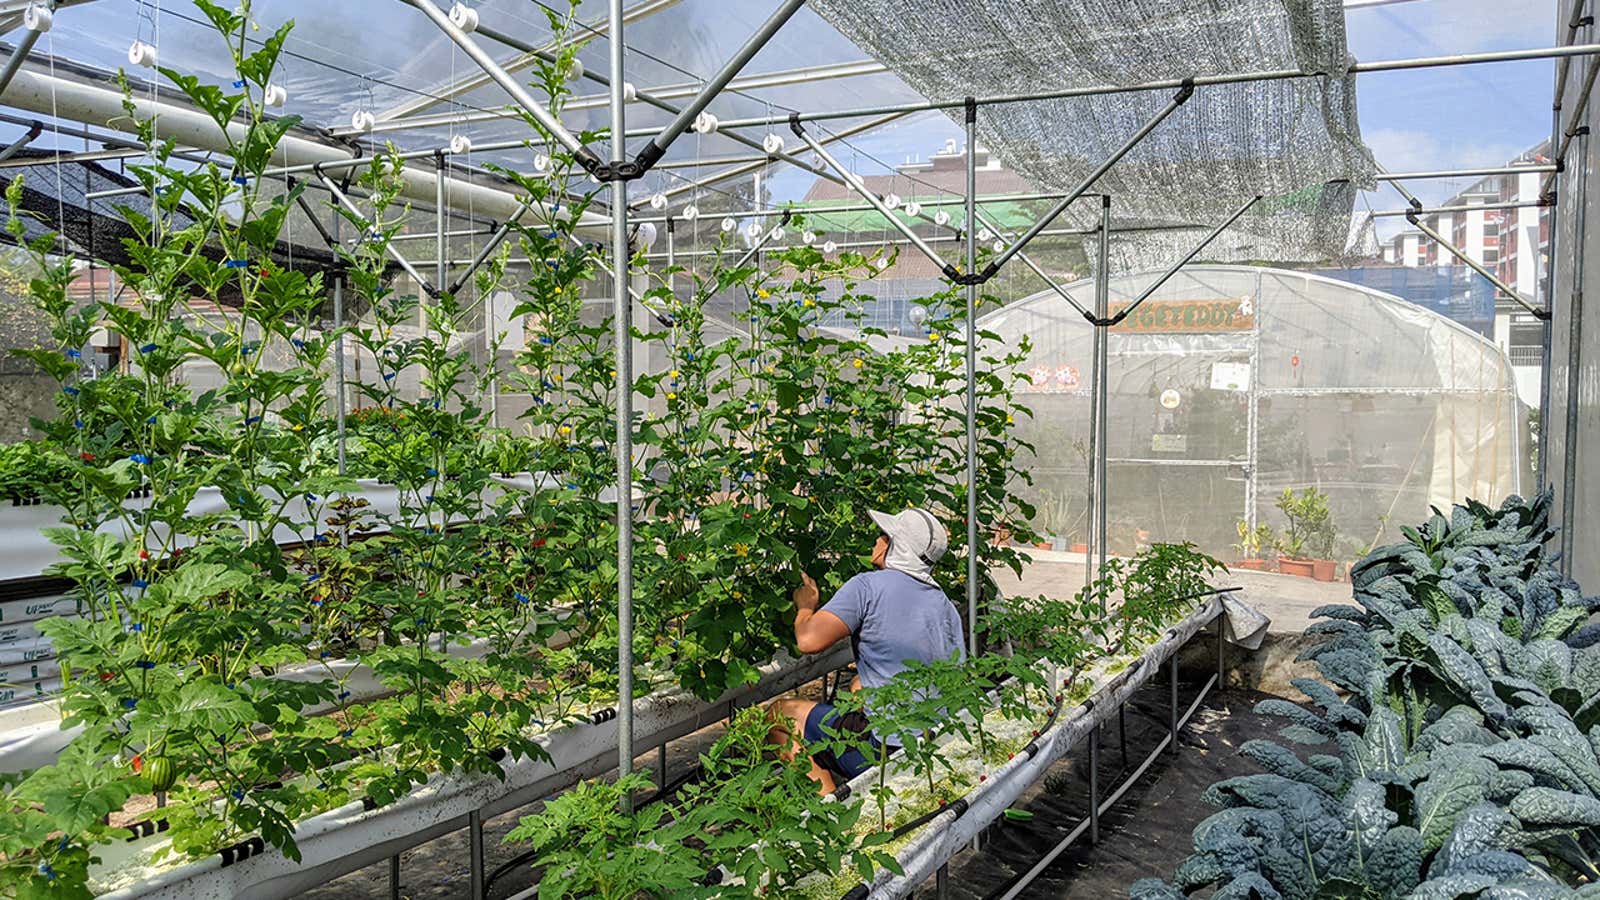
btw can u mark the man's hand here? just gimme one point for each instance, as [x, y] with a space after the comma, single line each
[806, 595]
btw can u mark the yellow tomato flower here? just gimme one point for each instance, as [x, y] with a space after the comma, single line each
[558, 288]
[857, 362]
[933, 336]
[1010, 420]
[558, 377]
[763, 293]
[737, 595]
[565, 429]
[671, 396]
[741, 549]
[809, 303]
[672, 374]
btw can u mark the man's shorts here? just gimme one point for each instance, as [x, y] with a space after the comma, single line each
[851, 762]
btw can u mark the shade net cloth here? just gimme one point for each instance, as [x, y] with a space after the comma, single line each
[1295, 141]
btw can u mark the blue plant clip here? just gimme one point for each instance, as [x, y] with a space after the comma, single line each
[236, 263]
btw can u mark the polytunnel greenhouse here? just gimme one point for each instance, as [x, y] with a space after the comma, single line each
[797, 448]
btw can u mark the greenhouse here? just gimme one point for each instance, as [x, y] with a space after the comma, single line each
[771, 448]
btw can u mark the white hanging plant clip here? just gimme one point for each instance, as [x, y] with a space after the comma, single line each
[892, 200]
[541, 162]
[363, 121]
[658, 201]
[705, 123]
[809, 236]
[275, 95]
[464, 17]
[691, 212]
[778, 233]
[141, 54]
[941, 218]
[773, 144]
[913, 208]
[753, 229]
[575, 71]
[728, 224]
[829, 247]
[38, 17]
[460, 144]
[630, 92]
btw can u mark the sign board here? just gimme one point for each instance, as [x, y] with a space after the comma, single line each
[1186, 317]
[1230, 377]
[1169, 443]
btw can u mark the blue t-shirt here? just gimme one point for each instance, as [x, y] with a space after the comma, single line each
[893, 618]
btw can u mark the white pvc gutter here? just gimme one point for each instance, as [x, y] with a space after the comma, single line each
[353, 836]
[945, 835]
[100, 105]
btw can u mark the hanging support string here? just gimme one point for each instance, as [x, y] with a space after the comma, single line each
[492, 245]
[765, 239]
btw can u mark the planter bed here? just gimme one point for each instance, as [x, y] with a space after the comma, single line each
[1108, 684]
[354, 836]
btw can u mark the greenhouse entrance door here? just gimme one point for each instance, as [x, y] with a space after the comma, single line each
[1183, 395]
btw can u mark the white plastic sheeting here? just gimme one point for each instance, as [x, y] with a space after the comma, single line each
[1233, 383]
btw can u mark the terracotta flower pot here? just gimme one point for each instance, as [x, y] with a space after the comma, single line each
[1252, 565]
[1041, 545]
[1080, 547]
[1324, 569]
[1304, 568]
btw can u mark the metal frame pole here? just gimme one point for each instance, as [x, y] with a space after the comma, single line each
[24, 47]
[495, 240]
[394, 877]
[623, 315]
[1094, 784]
[1569, 443]
[349, 205]
[1187, 258]
[542, 115]
[1357, 68]
[1172, 708]
[475, 850]
[1016, 246]
[971, 354]
[441, 270]
[1474, 265]
[1102, 388]
[658, 145]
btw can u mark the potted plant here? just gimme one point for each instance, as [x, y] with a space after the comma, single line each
[1253, 544]
[1310, 530]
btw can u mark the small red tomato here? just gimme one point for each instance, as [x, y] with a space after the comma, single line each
[86, 456]
[107, 676]
[1011, 756]
[144, 555]
[538, 543]
[983, 778]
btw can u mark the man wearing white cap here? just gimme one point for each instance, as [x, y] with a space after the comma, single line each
[893, 615]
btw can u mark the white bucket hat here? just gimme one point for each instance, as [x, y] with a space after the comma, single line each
[916, 541]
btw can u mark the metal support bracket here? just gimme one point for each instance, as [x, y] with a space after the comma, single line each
[350, 207]
[1542, 314]
[990, 270]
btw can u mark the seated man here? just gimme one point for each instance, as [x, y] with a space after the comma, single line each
[895, 614]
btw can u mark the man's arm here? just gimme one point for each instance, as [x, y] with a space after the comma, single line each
[815, 631]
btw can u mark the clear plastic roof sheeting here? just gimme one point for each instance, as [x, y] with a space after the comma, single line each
[1283, 139]
[1232, 383]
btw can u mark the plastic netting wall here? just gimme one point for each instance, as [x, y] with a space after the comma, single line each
[1233, 383]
